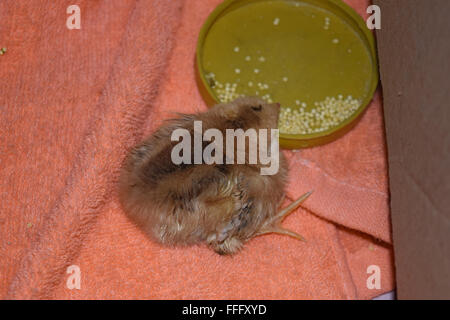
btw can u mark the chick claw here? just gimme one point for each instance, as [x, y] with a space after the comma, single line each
[274, 225]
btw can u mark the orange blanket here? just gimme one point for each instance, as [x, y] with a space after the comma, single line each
[73, 101]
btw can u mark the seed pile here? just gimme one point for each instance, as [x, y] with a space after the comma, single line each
[227, 92]
[323, 116]
[301, 119]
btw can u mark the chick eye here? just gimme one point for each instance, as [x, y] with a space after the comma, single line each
[258, 108]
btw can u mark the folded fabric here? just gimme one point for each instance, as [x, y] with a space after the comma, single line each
[73, 102]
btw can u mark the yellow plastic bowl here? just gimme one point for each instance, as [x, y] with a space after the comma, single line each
[303, 49]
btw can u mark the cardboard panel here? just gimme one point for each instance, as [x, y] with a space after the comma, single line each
[414, 53]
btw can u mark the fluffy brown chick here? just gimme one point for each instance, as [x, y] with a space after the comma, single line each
[223, 205]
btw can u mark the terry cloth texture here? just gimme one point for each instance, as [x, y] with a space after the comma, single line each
[72, 102]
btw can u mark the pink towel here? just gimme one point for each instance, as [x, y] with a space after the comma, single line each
[74, 101]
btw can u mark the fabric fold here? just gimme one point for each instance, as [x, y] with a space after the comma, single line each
[359, 205]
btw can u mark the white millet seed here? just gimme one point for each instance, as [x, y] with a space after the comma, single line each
[285, 79]
[236, 49]
[327, 114]
[262, 59]
[276, 21]
[256, 70]
[248, 58]
[227, 92]
[335, 40]
[327, 23]
[237, 70]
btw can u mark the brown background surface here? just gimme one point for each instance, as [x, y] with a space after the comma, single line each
[414, 53]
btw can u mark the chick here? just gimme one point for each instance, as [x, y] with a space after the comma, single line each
[222, 205]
